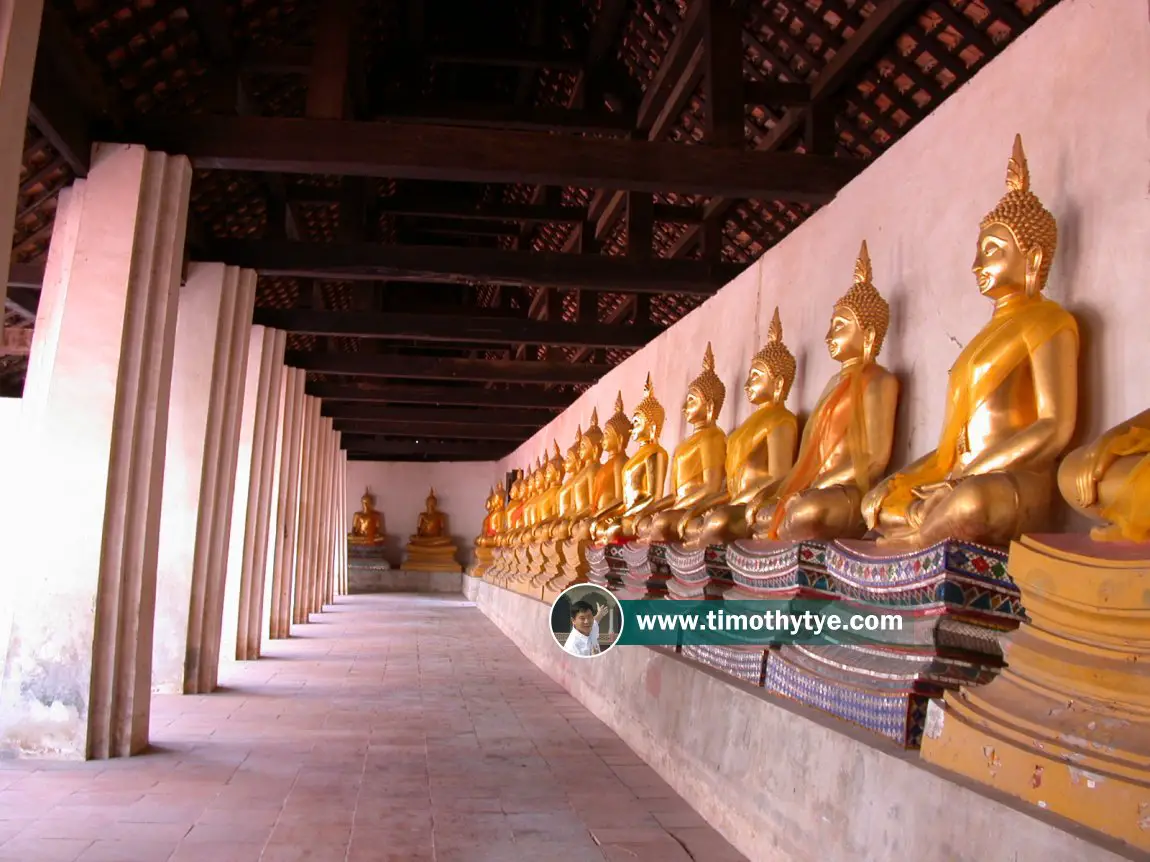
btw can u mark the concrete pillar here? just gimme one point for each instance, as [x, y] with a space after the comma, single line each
[267, 601]
[287, 506]
[342, 516]
[301, 607]
[19, 36]
[323, 515]
[76, 682]
[252, 506]
[212, 334]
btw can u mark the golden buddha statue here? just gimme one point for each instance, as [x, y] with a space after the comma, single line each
[513, 513]
[572, 467]
[643, 475]
[431, 548]
[607, 485]
[367, 524]
[1012, 396]
[547, 503]
[1109, 481]
[583, 483]
[698, 469]
[847, 441]
[759, 452]
[493, 524]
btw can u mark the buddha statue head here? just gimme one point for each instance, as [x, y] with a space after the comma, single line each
[367, 500]
[432, 501]
[1017, 239]
[499, 496]
[705, 394]
[618, 429]
[772, 370]
[647, 420]
[591, 442]
[571, 461]
[553, 469]
[516, 492]
[860, 318]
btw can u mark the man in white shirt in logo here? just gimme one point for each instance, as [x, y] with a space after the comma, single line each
[584, 637]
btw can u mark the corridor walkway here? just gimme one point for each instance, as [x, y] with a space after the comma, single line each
[394, 728]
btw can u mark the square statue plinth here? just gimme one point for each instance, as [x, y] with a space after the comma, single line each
[778, 570]
[606, 566]
[1066, 725]
[698, 574]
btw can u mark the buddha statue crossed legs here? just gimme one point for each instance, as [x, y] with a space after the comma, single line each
[1012, 396]
[847, 441]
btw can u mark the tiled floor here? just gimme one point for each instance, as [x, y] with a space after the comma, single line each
[394, 728]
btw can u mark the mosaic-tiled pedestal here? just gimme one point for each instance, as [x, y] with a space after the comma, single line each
[955, 600]
[742, 663]
[778, 570]
[698, 574]
[647, 571]
[606, 565]
[366, 567]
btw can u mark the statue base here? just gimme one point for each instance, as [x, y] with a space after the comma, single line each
[954, 600]
[745, 664]
[431, 559]
[366, 565]
[606, 566]
[572, 569]
[484, 560]
[1066, 726]
[698, 574]
[647, 571]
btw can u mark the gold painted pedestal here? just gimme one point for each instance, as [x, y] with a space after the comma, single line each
[420, 557]
[1067, 725]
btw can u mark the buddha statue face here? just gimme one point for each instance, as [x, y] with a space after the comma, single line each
[846, 338]
[642, 429]
[431, 502]
[612, 440]
[366, 501]
[697, 408]
[763, 386]
[591, 447]
[1000, 266]
[571, 460]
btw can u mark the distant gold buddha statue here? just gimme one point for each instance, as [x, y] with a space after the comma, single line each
[847, 441]
[606, 493]
[572, 467]
[1012, 397]
[431, 548]
[698, 472]
[547, 503]
[494, 522]
[1109, 481]
[582, 483]
[643, 474]
[513, 513]
[759, 452]
[367, 524]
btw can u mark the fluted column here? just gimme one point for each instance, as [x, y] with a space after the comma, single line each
[287, 506]
[19, 35]
[212, 335]
[252, 507]
[77, 678]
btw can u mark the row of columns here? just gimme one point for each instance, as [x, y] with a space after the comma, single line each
[180, 494]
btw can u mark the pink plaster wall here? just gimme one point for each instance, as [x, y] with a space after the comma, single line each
[1077, 87]
[400, 491]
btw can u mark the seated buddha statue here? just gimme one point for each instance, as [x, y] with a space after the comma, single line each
[513, 512]
[1012, 396]
[847, 441]
[431, 548]
[572, 468]
[590, 450]
[759, 452]
[643, 475]
[367, 524]
[547, 503]
[606, 492]
[1109, 481]
[494, 522]
[698, 468]
[530, 494]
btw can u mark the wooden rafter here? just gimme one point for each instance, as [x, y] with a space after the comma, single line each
[428, 368]
[528, 397]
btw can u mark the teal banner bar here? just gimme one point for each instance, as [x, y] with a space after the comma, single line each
[767, 623]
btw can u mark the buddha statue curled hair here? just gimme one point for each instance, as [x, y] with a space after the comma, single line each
[708, 384]
[619, 422]
[775, 357]
[866, 303]
[1020, 210]
[650, 408]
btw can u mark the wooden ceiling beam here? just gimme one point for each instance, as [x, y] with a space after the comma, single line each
[525, 398]
[860, 50]
[434, 368]
[501, 116]
[364, 261]
[398, 151]
[418, 430]
[363, 412]
[455, 328]
[297, 59]
[360, 448]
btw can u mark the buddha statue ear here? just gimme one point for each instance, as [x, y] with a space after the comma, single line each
[868, 344]
[1034, 270]
[779, 385]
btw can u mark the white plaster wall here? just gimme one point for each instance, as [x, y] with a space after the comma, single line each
[1077, 87]
[400, 490]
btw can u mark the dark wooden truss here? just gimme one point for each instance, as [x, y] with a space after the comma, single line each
[464, 214]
